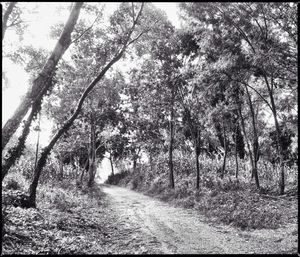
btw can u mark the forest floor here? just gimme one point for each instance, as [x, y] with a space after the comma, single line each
[113, 220]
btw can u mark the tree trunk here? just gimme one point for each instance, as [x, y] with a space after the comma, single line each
[245, 136]
[37, 143]
[69, 122]
[6, 17]
[77, 166]
[171, 169]
[225, 151]
[82, 173]
[92, 153]
[135, 157]
[255, 141]
[15, 152]
[41, 84]
[111, 164]
[236, 154]
[197, 163]
[279, 143]
[72, 160]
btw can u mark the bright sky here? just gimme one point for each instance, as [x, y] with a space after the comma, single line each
[37, 34]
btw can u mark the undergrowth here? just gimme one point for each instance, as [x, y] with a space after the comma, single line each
[65, 222]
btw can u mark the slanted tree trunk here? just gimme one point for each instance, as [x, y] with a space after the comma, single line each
[41, 84]
[15, 152]
[69, 122]
[6, 17]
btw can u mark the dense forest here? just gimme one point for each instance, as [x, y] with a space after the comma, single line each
[191, 114]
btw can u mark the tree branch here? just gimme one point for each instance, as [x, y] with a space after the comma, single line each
[239, 29]
[6, 17]
[76, 39]
[132, 7]
[247, 85]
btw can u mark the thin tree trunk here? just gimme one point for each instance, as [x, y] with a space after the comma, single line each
[111, 164]
[279, 143]
[255, 141]
[171, 169]
[82, 173]
[135, 158]
[134, 163]
[95, 166]
[246, 138]
[69, 122]
[197, 163]
[92, 154]
[72, 161]
[236, 154]
[6, 17]
[37, 143]
[76, 163]
[225, 152]
[41, 83]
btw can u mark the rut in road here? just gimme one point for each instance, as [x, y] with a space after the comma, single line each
[180, 231]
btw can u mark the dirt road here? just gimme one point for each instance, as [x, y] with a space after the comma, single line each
[162, 228]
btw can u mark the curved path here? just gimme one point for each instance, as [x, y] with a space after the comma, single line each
[169, 229]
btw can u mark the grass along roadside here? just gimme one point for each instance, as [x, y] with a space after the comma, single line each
[224, 201]
[68, 220]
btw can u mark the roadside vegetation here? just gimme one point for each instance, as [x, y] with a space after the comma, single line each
[228, 200]
[69, 220]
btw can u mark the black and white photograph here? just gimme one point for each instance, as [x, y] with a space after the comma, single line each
[149, 128]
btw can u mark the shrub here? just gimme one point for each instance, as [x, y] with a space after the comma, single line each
[181, 192]
[137, 181]
[156, 187]
[12, 184]
[114, 179]
[188, 202]
[15, 181]
[15, 198]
